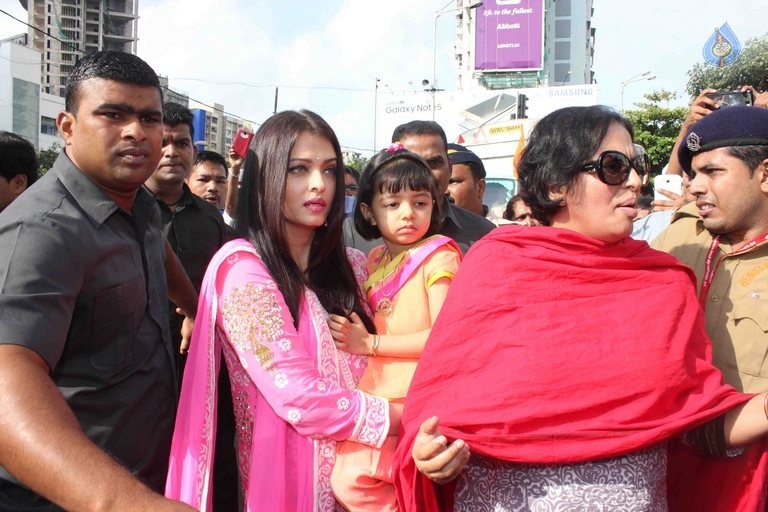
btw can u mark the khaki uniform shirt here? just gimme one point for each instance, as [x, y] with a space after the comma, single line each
[736, 305]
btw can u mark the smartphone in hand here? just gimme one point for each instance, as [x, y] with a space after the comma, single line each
[241, 142]
[669, 182]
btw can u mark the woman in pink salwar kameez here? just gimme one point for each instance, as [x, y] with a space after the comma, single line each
[263, 307]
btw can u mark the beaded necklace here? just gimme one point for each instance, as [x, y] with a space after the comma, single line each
[388, 268]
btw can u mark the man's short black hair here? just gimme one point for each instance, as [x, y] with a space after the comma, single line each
[419, 128]
[352, 172]
[108, 65]
[175, 114]
[17, 156]
[644, 203]
[213, 157]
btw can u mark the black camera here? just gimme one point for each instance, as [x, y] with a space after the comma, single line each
[731, 98]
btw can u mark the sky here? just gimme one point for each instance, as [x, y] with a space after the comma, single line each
[327, 56]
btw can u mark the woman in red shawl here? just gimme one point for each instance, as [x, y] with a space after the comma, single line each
[567, 355]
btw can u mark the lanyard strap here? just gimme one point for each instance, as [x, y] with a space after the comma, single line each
[710, 268]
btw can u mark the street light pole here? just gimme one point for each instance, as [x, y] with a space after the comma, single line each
[637, 78]
[375, 110]
[443, 10]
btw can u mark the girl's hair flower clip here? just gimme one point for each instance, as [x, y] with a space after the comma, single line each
[395, 146]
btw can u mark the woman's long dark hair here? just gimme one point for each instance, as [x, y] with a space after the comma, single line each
[261, 219]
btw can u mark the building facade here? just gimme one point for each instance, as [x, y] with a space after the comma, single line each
[34, 68]
[172, 96]
[28, 111]
[77, 27]
[572, 43]
[215, 130]
[515, 61]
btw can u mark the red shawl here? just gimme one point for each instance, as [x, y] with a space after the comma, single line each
[555, 348]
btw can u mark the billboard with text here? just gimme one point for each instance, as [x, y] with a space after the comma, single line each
[509, 35]
[482, 120]
[467, 113]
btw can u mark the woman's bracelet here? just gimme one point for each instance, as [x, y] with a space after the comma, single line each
[375, 346]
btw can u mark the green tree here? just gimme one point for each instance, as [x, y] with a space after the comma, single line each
[657, 125]
[46, 157]
[355, 160]
[749, 68]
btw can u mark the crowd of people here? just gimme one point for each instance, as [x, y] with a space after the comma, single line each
[276, 331]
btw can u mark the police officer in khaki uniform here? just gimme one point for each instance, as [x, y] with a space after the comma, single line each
[723, 236]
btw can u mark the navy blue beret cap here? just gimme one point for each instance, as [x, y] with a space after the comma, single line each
[458, 154]
[731, 126]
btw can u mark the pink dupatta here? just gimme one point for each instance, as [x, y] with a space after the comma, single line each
[380, 289]
[276, 446]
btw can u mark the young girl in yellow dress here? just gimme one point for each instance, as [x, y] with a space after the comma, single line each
[409, 278]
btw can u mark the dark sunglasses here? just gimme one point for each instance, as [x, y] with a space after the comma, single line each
[613, 167]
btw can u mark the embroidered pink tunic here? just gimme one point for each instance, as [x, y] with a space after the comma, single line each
[294, 393]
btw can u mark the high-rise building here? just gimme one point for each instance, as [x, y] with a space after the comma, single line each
[171, 95]
[65, 29]
[26, 111]
[505, 44]
[571, 38]
[215, 130]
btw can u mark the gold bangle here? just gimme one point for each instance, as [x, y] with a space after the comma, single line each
[375, 346]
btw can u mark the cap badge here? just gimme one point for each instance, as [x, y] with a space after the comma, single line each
[693, 142]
